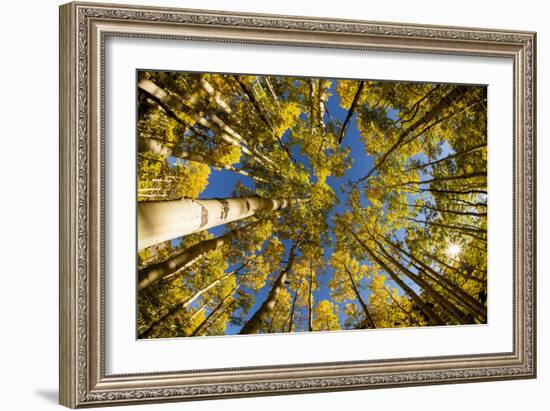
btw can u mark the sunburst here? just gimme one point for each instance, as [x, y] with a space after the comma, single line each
[453, 250]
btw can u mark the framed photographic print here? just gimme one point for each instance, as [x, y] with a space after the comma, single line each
[259, 204]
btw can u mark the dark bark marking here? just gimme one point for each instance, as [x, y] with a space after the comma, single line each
[225, 209]
[204, 216]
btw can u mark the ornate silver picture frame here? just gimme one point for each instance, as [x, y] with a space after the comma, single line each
[84, 30]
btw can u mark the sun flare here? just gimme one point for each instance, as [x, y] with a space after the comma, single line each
[453, 250]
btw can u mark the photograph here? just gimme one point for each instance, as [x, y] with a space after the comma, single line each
[284, 204]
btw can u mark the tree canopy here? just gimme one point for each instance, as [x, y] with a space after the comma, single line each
[271, 204]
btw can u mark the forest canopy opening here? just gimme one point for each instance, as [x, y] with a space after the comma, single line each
[274, 204]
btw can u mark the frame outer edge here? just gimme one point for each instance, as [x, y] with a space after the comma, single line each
[77, 388]
[535, 238]
[68, 326]
[533, 135]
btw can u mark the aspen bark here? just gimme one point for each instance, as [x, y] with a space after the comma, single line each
[452, 291]
[159, 221]
[441, 179]
[261, 114]
[446, 101]
[432, 317]
[273, 314]
[181, 307]
[150, 275]
[364, 306]
[202, 326]
[467, 231]
[291, 317]
[171, 103]
[449, 157]
[216, 95]
[272, 91]
[447, 306]
[447, 211]
[461, 296]
[158, 147]
[407, 313]
[254, 324]
[350, 111]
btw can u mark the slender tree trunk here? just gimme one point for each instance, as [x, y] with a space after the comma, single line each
[272, 91]
[258, 84]
[462, 297]
[172, 104]
[262, 115]
[447, 306]
[451, 291]
[255, 105]
[441, 179]
[450, 267]
[216, 95]
[158, 147]
[413, 111]
[471, 232]
[446, 101]
[165, 180]
[323, 96]
[368, 317]
[312, 105]
[351, 110]
[446, 211]
[201, 327]
[255, 322]
[407, 313]
[197, 313]
[181, 307]
[317, 103]
[173, 115]
[185, 258]
[459, 192]
[430, 315]
[291, 317]
[461, 202]
[159, 221]
[449, 157]
[274, 314]
[285, 325]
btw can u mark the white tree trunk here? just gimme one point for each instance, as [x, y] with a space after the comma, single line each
[216, 95]
[183, 259]
[219, 127]
[162, 95]
[157, 147]
[159, 221]
[272, 91]
[255, 322]
[178, 308]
